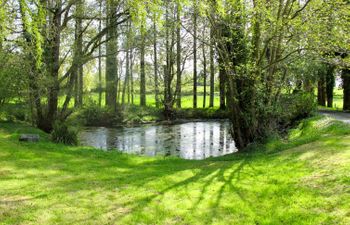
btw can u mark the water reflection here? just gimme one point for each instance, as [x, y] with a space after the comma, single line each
[193, 140]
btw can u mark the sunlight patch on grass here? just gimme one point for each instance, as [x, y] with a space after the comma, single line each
[302, 179]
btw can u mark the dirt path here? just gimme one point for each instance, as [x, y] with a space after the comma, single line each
[342, 116]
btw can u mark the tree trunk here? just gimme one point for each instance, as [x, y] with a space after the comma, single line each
[79, 52]
[32, 75]
[111, 59]
[100, 61]
[195, 55]
[321, 91]
[178, 57]
[346, 89]
[330, 83]
[119, 82]
[54, 65]
[156, 83]
[132, 76]
[142, 68]
[222, 84]
[167, 68]
[127, 66]
[126, 78]
[212, 70]
[204, 73]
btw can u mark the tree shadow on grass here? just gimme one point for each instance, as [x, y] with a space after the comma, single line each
[81, 170]
[205, 177]
[92, 170]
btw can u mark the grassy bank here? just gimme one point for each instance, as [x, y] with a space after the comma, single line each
[302, 179]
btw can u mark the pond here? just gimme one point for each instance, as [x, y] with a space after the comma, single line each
[190, 140]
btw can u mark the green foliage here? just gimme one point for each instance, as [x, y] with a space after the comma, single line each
[34, 19]
[64, 134]
[12, 77]
[93, 115]
[206, 113]
[296, 107]
[15, 111]
[140, 114]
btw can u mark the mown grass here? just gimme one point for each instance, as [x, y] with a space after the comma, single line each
[186, 99]
[300, 179]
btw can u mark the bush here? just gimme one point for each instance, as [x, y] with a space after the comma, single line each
[62, 133]
[15, 112]
[297, 106]
[200, 113]
[93, 115]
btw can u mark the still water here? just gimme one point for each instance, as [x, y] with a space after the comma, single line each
[191, 140]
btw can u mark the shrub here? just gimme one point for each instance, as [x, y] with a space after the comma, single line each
[296, 107]
[94, 115]
[62, 133]
[15, 112]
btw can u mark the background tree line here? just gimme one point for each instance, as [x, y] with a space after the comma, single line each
[264, 59]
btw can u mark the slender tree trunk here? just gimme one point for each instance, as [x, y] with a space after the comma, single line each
[100, 61]
[126, 78]
[127, 66]
[204, 73]
[79, 52]
[321, 91]
[195, 55]
[222, 84]
[142, 72]
[81, 84]
[212, 69]
[178, 56]
[2, 23]
[75, 72]
[119, 82]
[346, 89]
[156, 82]
[330, 83]
[132, 76]
[167, 67]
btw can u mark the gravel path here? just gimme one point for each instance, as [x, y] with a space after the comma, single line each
[342, 116]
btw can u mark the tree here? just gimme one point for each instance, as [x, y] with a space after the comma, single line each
[78, 53]
[100, 59]
[142, 68]
[195, 53]
[178, 55]
[127, 64]
[346, 88]
[155, 65]
[168, 103]
[204, 71]
[212, 69]
[330, 83]
[321, 90]
[112, 56]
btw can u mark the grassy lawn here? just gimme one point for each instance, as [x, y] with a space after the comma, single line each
[186, 99]
[302, 179]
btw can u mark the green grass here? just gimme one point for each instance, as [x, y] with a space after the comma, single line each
[301, 179]
[186, 100]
